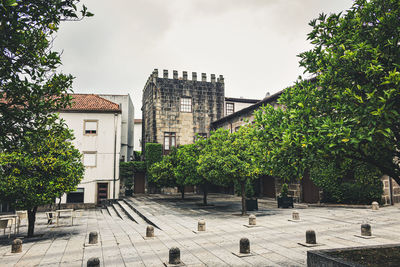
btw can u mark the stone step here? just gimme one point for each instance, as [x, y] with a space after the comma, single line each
[148, 218]
[119, 211]
[112, 212]
[131, 213]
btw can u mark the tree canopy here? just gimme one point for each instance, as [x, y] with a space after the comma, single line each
[351, 108]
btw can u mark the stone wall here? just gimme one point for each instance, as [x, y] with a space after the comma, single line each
[386, 191]
[161, 106]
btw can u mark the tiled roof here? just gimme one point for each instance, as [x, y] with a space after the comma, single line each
[91, 103]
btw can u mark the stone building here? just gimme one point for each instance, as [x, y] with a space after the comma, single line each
[269, 186]
[175, 110]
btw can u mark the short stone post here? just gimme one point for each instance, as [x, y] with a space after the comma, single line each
[93, 238]
[16, 246]
[252, 219]
[150, 231]
[93, 262]
[375, 205]
[244, 245]
[310, 237]
[295, 216]
[201, 226]
[174, 256]
[365, 229]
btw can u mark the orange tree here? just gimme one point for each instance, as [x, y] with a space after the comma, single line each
[230, 158]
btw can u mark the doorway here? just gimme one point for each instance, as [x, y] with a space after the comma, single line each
[102, 192]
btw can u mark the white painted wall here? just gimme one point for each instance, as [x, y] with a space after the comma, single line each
[137, 146]
[103, 145]
[127, 128]
[238, 105]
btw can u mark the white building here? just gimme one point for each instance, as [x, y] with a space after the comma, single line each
[233, 105]
[137, 144]
[127, 127]
[96, 123]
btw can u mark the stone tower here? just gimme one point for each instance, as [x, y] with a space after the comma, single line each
[176, 110]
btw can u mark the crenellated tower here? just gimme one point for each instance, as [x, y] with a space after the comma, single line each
[177, 109]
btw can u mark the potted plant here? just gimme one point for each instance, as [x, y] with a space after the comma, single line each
[128, 187]
[251, 199]
[284, 201]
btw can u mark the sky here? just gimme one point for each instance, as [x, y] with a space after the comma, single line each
[253, 43]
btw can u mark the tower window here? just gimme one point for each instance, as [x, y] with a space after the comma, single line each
[186, 104]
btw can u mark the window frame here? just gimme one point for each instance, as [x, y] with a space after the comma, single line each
[233, 108]
[84, 127]
[169, 136]
[186, 107]
[89, 153]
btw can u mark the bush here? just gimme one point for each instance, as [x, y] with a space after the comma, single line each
[347, 182]
[153, 154]
[128, 169]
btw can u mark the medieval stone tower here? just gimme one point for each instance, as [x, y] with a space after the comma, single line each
[176, 110]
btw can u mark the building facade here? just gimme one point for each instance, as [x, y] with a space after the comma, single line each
[127, 126]
[96, 123]
[175, 110]
[137, 143]
[233, 105]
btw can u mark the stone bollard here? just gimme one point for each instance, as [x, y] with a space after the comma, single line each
[93, 238]
[375, 205]
[295, 216]
[244, 246]
[201, 226]
[365, 229]
[93, 262]
[16, 246]
[310, 237]
[150, 231]
[174, 256]
[252, 219]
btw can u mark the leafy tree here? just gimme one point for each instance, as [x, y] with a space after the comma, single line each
[230, 157]
[38, 163]
[38, 172]
[30, 88]
[186, 171]
[350, 110]
[162, 173]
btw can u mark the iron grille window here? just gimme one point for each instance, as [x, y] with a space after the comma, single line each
[230, 108]
[186, 104]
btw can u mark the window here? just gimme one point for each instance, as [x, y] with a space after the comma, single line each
[199, 136]
[90, 127]
[186, 104]
[77, 196]
[89, 159]
[230, 108]
[169, 141]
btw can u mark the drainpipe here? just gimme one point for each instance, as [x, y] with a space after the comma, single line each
[115, 151]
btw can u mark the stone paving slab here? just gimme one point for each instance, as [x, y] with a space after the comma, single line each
[274, 242]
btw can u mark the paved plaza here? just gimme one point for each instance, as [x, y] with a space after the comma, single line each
[122, 233]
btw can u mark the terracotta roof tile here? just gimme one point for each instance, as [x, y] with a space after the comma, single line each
[91, 102]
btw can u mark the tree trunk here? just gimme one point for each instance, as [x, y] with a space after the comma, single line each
[242, 187]
[205, 192]
[31, 221]
[183, 191]
[59, 204]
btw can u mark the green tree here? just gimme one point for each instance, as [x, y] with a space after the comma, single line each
[30, 88]
[162, 173]
[38, 172]
[186, 171]
[350, 110]
[230, 157]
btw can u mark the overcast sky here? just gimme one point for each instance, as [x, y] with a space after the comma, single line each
[253, 43]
